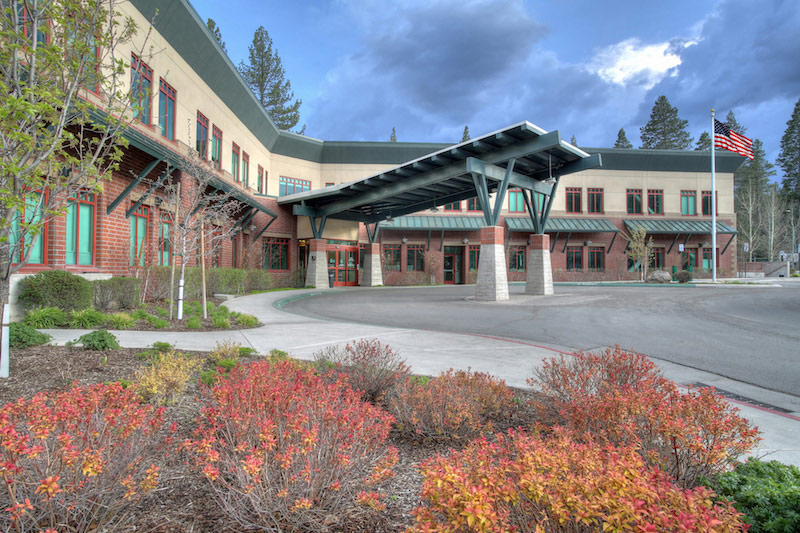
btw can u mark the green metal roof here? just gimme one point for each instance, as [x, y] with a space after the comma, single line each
[573, 225]
[674, 227]
[666, 160]
[445, 222]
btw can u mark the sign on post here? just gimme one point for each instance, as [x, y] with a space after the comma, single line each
[4, 345]
[680, 247]
[746, 247]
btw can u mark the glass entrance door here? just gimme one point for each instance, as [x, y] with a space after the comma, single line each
[453, 264]
[450, 268]
[343, 261]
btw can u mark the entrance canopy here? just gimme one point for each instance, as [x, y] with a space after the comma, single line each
[521, 156]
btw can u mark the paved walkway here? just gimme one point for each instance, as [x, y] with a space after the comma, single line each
[430, 352]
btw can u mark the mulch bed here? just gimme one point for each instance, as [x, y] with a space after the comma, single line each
[184, 502]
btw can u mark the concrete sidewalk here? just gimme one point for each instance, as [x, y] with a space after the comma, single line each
[430, 352]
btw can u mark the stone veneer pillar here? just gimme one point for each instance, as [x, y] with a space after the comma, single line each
[371, 275]
[539, 276]
[492, 283]
[317, 271]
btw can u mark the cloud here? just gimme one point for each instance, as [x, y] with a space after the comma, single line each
[631, 62]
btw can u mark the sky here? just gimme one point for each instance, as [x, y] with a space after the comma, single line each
[584, 67]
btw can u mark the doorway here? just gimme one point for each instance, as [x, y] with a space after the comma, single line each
[453, 265]
[343, 260]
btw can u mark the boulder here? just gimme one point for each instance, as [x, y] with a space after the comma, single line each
[659, 276]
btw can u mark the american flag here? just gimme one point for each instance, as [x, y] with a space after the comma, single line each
[726, 138]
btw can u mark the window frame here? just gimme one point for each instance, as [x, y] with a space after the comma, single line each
[142, 212]
[473, 257]
[81, 198]
[260, 182]
[140, 70]
[574, 196]
[473, 205]
[392, 251]
[216, 147]
[453, 206]
[631, 194]
[245, 170]
[202, 127]
[516, 257]
[691, 201]
[166, 220]
[515, 200]
[42, 236]
[285, 181]
[592, 195]
[281, 244]
[706, 195]
[415, 258]
[235, 161]
[658, 252]
[594, 253]
[168, 92]
[686, 255]
[573, 252]
[655, 194]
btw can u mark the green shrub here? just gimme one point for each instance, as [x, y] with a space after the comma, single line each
[208, 377]
[163, 347]
[226, 349]
[55, 288]
[22, 336]
[246, 351]
[162, 312]
[227, 364]
[194, 322]
[140, 314]
[276, 355]
[117, 293]
[247, 321]
[193, 308]
[210, 307]
[97, 340]
[86, 319]
[768, 493]
[46, 317]
[222, 310]
[225, 281]
[119, 321]
[221, 322]
[257, 279]
[683, 276]
[158, 323]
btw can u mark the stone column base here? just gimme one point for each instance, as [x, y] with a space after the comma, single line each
[539, 271]
[492, 285]
[372, 274]
[317, 271]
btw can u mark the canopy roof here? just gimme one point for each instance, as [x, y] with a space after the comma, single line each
[445, 176]
[575, 225]
[678, 227]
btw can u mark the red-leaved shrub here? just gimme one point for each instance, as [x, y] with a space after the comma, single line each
[622, 397]
[78, 460]
[287, 450]
[526, 483]
[455, 405]
[371, 367]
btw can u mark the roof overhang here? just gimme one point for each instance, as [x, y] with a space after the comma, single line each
[678, 227]
[573, 225]
[445, 176]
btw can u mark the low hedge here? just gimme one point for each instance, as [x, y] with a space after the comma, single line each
[56, 288]
[117, 293]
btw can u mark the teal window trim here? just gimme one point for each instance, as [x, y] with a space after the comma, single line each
[138, 236]
[472, 205]
[516, 202]
[81, 229]
[142, 88]
[455, 206]
[216, 147]
[166, 109]
[201, 143]
[261, 188]
[689, 203]
[32, 246]
[289, 186]
[235, 161]
[245, 170]
[165, 240]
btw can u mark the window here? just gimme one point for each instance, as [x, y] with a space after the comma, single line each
[474, 256]
[516, 259]
[657, 259]
[292, 186]
[597, 258]
[416, 258]
[138, 248]
[473, 204]
[164, 240]
[688, 199]
[235, 252]
[574, 200]
[516, 202]
[261, 180]
[33, 247]
[166, 109]
[655, 201]
[574, 258]
[391, 257]
[201, 144]
[329, 184]
[689, 259]
[362, 253]
[455, 206]
[80, 229]
[707, 264]
[245, 170]
[216, 147]
[634, 201]
[141, 87]
[235, 161]
[26, 22]
[595, 198]
[276, 254]
[706, 200]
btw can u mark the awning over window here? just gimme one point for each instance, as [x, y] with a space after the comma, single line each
[422, 222]
[678, 227]
[565, 225]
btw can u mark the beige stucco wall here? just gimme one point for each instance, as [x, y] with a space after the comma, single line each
[340, 230]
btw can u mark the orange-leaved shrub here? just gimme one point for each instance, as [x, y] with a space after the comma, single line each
[79, 460]
[285, 449]
[622, 397]
[371, 367]
[457, 404]
[528, 483]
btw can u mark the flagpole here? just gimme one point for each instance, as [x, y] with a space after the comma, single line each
[713, 206]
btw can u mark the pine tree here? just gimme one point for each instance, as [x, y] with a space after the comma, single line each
[267, 79]
[573, 141]
[216, 33]
[789, 158]
[465, 136]
[703, 143]
[665, 130]
[393, 136]
[622, 140]
[732, 123]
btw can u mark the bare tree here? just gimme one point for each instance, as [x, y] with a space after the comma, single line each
[750, 200]
[66, 102]
[773, 223]
[640, 249]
